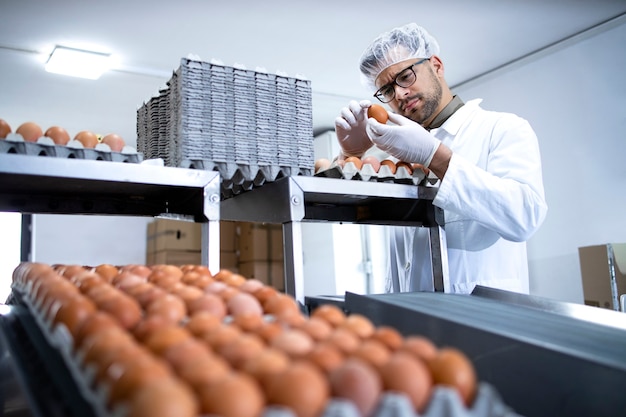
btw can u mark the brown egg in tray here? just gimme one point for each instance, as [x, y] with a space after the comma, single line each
[370, 168]
[29, 139]
[169, 341]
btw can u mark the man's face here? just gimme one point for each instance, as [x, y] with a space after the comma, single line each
[419, 101]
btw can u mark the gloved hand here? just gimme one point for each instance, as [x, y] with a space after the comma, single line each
[350, 128]
[405, 139]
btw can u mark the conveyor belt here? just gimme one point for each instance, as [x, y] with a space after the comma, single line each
[543, 363]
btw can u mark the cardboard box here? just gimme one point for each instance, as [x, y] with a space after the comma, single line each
[269, 272]
[260, 242]
[603, 270]
[229, 260]
[177, 257]
[174, 235]
[228, 236]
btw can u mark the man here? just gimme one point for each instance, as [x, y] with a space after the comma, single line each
[488, 163]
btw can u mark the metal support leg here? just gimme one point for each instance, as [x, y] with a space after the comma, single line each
[439, 256]
[294, 260]
[210, 254]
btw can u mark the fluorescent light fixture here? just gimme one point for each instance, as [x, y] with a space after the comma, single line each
[78, 62]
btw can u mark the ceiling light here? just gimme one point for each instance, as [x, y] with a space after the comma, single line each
[78, 62]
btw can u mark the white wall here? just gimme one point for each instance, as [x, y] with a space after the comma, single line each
[574, 96]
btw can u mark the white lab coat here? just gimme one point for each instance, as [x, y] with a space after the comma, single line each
[493, 201]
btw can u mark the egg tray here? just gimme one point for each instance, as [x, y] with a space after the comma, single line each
[238, 178]
[444, 402]
[46, 147]
[402, 176]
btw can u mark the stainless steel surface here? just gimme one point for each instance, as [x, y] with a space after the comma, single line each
[291, 200]
[595, 315]
[36, 184]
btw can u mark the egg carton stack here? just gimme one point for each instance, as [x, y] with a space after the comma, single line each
[251, 126]
[14, 143]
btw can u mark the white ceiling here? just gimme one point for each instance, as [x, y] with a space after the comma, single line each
[321, 40]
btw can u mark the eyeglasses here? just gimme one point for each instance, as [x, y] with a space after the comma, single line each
[405, 78]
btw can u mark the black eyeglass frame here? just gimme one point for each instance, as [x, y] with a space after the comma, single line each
[379, 93]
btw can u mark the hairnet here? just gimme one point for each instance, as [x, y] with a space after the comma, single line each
[399, 44]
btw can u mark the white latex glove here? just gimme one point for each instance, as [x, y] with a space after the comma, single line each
[405, 139]
[350, 128]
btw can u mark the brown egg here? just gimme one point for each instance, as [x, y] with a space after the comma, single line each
[265, 293]
[30, 131]
[87, 138]
[269, 330]
[301, 387]
[373, 352]
[5, 129]
[344, 339]
[390, 164]
[389, 336]
[149, 325]
[123, 308]
[224, 399]
[129, 380]
[358, 382]
[248, 322]
[419, 346]
[95, 323]
[106, 271]
[425, 170]
[378, 112]
[251, 285]
[405, 165]
[295, 343]
[73, 312]
[358, 164]
[187, 293]
[371, 161]
[205, 370]
[221, 336]
[281, 306]
[452, 368]
[169, 307]
[268, 362]
[58, 134]
[330, 313]
[359, 325]
[326, 356]
[209, 303]
[162, 339]
[409, 375]
[167, 397]
[115, 142]
[96, 344]
[244, 303]
[202, 322]
[178, 354]
[234, 280]
[321, 164]
[241, 349]
[317, 328]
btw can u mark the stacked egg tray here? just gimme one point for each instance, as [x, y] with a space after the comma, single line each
[251, 126]
[350, 171]
[15, 144]
[444, 401]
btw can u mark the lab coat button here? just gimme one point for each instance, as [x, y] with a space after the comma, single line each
[407, 266]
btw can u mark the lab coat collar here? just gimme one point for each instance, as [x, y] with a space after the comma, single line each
[454, 122]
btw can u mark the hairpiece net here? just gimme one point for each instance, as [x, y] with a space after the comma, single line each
[399, 44]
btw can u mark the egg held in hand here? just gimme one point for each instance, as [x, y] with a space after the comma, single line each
[378, 112]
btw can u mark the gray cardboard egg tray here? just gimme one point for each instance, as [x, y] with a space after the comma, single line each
[444, 402]
[350, 172]
[239, 177]
[14, 143]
